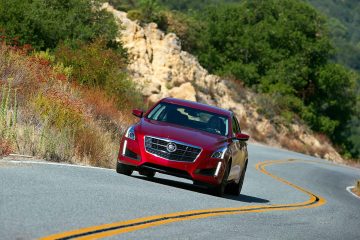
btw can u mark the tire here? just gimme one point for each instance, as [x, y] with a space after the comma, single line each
[124, 169]
[147, 173]
[235, 188]
[220, 189]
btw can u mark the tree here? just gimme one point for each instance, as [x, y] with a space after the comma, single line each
[282, 48]
[44, 23]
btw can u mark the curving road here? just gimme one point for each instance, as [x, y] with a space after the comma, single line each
[302, 199]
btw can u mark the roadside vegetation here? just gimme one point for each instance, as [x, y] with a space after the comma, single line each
[45, 113]
[64, 85]
[344, 25]
[356, 189]
[283, 49]
[66, 98]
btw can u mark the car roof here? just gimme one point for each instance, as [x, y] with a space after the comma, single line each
[197, 105]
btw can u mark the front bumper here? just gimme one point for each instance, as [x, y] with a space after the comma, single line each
[204, 169]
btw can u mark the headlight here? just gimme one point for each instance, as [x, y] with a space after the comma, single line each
[220, 153]
[130, 133]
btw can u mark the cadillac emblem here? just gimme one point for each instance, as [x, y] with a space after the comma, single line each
[171, 147]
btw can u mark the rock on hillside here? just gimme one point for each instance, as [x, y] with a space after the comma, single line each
[162, 69]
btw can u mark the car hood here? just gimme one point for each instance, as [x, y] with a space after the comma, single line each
[183, 134]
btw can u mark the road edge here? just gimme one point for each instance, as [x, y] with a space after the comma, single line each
[53, 163]
[349, 188]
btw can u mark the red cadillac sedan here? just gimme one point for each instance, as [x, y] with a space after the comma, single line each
[189, 140]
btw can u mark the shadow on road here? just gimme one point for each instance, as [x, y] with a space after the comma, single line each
[247, 198]
[201, 189]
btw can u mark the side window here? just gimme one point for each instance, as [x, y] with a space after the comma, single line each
[156, 112]
[235, 125]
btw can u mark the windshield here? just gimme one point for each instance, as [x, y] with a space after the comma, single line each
[190, 117]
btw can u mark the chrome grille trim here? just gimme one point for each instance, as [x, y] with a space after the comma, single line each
[184, 153]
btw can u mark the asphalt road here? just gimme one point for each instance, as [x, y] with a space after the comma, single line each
[38, 200]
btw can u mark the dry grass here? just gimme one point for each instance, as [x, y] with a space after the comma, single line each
[239, 92]
[5, 147]
[291, 144]
[105, 110]
[244, 123]
[356, 189]
[55, 119]
[257, 135]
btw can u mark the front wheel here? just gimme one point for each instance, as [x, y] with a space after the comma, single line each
[124, 169]
[235, 188]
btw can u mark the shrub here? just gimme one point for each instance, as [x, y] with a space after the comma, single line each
[281, 48]
[8, 119]
[109, 74]
[134, 14]
[186, 27]
[124, 5]
[44, 23]
[5, 147]
[150, 11]
[96, 146]
[52, 117]
[356, 189]
[147, 11]
[57, 110]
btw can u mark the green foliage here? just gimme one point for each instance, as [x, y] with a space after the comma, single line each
[147, 11]
[344, 25]
[335, 96]
[97, 66]
[265, 36]
[178, 5]
[124, 5]
[188, 5]
[44, 115]
[56, 114]
[281, 48]
[44, 23]
[343, 22]
[186, 27]
[134, 14]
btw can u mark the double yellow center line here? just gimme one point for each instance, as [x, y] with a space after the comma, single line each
[116, 228]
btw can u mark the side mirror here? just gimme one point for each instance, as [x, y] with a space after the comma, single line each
[242, 137]
[137, 113]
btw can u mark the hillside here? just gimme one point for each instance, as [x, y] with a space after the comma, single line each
[56, 105]
[163, 69]
[344, 27]
[43, 114]
[297, 55]
[53, 103]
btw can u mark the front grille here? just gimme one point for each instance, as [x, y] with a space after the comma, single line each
[183, 153]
